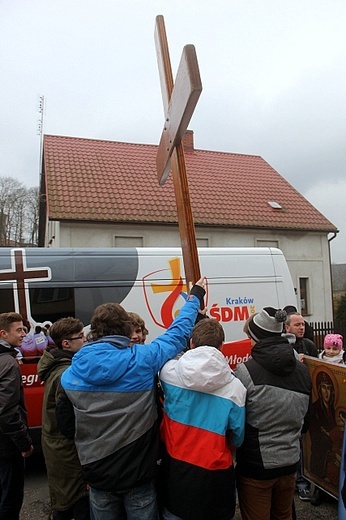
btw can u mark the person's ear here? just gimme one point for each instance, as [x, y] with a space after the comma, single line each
[65, 344]
[191, 344]
[3, 333]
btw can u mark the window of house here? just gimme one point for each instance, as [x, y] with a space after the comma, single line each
[202, 242]
[267, 243]
[128, 241]
[304, 296]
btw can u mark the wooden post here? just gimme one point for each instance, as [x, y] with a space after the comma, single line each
[179, 102]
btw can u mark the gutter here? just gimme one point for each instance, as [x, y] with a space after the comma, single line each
[330, 269]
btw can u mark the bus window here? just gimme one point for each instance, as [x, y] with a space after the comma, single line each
[6, 300]
[52, 303]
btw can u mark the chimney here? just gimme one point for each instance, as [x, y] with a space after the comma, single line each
[188, 141]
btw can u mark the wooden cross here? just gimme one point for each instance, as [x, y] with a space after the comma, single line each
[179, 102]
[18, 275]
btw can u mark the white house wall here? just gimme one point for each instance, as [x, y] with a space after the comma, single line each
[307, 254]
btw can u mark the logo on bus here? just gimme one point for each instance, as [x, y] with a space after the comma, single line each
[19, 276]
[165, 293]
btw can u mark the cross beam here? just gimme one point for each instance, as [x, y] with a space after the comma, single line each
[179, 102]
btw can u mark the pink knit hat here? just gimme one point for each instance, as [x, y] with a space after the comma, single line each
[333, 340]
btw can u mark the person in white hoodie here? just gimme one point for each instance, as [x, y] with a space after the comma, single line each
[203, 424]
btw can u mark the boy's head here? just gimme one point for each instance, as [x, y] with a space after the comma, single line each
[139, 331]
[268, 323]
[12, 328]
[110, 319]
[67, 334]
[332, 344]
[207, 333]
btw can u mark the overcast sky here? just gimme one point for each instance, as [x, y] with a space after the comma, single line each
[273, 74]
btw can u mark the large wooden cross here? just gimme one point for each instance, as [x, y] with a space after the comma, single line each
[179, 101]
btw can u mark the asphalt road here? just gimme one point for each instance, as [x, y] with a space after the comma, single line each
[36, 499]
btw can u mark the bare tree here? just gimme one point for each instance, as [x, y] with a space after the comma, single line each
[18, 213]
[32, 215]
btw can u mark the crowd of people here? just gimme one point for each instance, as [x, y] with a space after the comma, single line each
[166, 429]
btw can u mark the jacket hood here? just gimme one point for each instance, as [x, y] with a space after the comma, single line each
[50, 358]
[97, 363]
[204, 369]
[275, 355]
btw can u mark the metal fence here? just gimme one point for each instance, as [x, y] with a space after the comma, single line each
[327, 327]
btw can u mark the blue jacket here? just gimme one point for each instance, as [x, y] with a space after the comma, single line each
[112, 388]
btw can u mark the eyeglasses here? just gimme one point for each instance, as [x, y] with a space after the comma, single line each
[81, 336]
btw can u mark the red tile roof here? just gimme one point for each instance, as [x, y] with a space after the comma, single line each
[98, 181]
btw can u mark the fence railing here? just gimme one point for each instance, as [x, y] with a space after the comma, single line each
[327, 327]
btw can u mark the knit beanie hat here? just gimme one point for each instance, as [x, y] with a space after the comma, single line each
[267, 324]
[333, 340]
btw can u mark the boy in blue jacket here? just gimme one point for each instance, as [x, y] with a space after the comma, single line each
[112, 388]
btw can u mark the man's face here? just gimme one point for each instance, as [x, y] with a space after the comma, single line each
[296, 326]
[75, 342]
[15, 334]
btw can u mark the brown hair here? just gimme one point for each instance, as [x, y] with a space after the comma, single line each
[137, 321]
[63, 329]
[110, 319]
[209, 333]
[7, 318]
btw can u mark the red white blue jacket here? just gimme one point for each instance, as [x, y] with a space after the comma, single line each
[204, 415]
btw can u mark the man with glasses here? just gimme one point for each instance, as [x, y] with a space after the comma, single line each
[67, 489]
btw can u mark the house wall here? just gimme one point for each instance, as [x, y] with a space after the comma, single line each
[307, 254]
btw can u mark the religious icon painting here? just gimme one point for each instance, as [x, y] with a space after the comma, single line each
[322, 444]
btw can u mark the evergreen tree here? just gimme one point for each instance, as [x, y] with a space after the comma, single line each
[341, 310]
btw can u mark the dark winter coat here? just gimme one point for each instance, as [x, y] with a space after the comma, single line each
[14, 434]
[305, 346]
[66, 484]
[277, 410]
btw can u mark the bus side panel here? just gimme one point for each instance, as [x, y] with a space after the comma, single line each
[238, 285]
[150, 282]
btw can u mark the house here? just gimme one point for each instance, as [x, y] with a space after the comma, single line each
[97, 193]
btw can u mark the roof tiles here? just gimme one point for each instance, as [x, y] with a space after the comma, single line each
[95, 180]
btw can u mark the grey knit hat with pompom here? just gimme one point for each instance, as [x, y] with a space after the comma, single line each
[267, 324]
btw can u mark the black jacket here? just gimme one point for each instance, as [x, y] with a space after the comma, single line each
[14, 434]
[305, 346]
